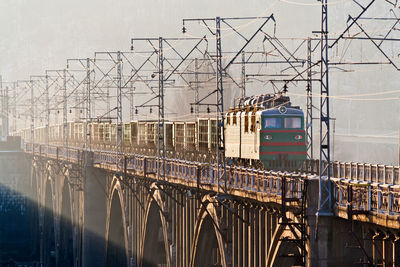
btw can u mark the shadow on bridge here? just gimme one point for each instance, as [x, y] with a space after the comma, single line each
[104, 219]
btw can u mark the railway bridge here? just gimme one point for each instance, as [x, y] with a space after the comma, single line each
[102, 208]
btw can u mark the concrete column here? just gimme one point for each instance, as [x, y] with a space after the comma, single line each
[377, 249]
[262, 229]
[387, 251]
[323, 242]
[240, 236]
[245, 237]
[396, 252]
[256, 236]
[268, 231]
[95, 216]
[235, 236]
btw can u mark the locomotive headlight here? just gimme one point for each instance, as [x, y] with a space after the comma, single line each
[298, 137]
[268, 137]
[282, 109]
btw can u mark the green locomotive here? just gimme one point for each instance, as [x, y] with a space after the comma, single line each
[266, 131]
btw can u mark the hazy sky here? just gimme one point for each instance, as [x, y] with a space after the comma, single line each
[36, 35]
[40, 34]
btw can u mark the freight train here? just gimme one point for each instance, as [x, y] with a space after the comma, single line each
[261, 131]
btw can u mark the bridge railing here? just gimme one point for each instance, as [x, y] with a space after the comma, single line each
[367, 197]
[375, 194]
[373, 173]
[238, 178]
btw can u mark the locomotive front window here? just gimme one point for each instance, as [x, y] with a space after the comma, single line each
[272, 123]
[294, 122]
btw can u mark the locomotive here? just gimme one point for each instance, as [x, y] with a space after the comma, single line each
[266, 131]
[263, 131]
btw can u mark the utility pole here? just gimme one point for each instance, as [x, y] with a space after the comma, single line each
[325, 194]
[5, 111]
[47, 110]
[32, 112]
[65, 111]
[243, 85]
[14, 129]
[220, 104]
[120, 145]
[309, 116]
[88, 106]
[196, 86]
[161, 118]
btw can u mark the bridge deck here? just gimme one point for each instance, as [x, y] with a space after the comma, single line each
[363, 200]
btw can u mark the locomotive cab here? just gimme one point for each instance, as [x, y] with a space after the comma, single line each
[282, 138]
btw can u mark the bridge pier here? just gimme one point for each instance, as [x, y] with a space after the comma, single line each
[94, 217]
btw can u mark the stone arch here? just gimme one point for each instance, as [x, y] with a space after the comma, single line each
[155, 243]
[116, 236]
[48, 239]
[65, 257]
[208, 239]
[280, 247]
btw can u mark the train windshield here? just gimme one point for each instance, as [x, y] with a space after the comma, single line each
[272, 123]
[293, 122]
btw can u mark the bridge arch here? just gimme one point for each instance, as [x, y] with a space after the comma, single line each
[65, 257]
[116, 236]
[279, 247]
[208, 239]
[48, 239]
[155, 243]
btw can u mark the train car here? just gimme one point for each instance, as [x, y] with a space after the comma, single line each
[151, 134]
[202, 135]
[179, 136]
[134, 133]
[265, 135]
[127, 134]
[169, 136]
[142, 130]
[190, 136]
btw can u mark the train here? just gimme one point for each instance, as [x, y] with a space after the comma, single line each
[264, 131]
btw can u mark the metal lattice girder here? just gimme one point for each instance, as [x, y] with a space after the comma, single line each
[325, 194]
[309, 117]
[5, 109]
[120, 136]
[221, 161]
[161, 117]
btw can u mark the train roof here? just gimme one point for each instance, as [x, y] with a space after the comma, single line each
[280, 111]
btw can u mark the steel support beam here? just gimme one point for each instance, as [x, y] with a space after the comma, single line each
[325, 194]
[309, 116]
[221, 162]
[161, 117]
